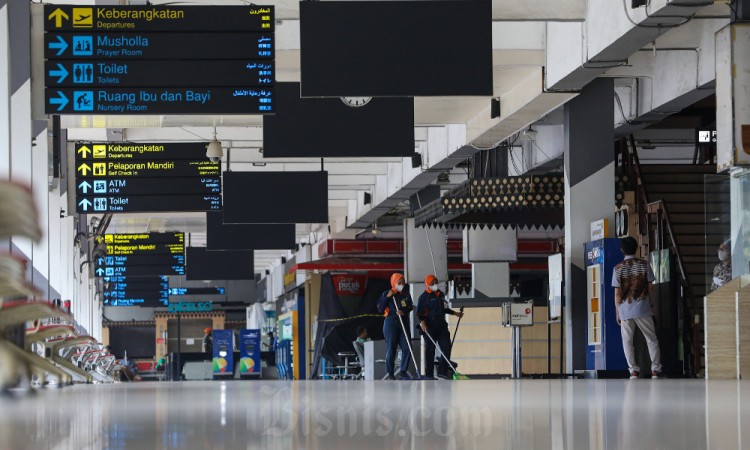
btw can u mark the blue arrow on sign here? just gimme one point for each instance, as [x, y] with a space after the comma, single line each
[61, 100]
[60, 45]
[85, 204]
[85, 186]
[100, 261]
[61, 73]
[100, 271]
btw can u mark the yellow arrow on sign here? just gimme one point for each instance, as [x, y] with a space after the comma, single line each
[83, 151]
[58, 15]
[84, 168]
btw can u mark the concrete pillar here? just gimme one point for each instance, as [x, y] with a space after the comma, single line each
[589, 196]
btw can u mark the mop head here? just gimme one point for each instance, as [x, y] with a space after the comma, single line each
[458, 376]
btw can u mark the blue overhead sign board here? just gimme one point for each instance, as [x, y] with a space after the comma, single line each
[159, 59]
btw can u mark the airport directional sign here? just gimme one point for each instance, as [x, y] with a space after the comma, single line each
[148, 249]
[148, 169]
[147, 203]
[159, 18]
[139, 260]
[174, 237]
[159, 46]
[125, 151]
[164, 59]
[197, 291]
[169, 73]
[148, 298]
[138, 284]
[146, 186]
[140, 271]
[203, 100]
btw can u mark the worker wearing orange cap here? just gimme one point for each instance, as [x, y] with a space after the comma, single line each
[392, 329]
[208, 341]
[431, 310]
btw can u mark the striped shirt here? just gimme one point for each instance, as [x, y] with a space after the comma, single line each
[633, 277]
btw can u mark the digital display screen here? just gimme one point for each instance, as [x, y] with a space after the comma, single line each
[396, 48]
[275, 197]
[228, 265]
[223, 236]
[327, 127]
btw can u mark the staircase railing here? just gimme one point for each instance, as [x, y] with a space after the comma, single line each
[654, 239]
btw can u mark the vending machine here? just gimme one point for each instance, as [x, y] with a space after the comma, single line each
[604, 342]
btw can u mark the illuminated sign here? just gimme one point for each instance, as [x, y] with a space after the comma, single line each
[144, 238]
[159, 59]
[146, 177]
[141, 255]
[158, 46]
[159, 73]
[191, 307]
[158, 18]
[140, 151]
[197, 291]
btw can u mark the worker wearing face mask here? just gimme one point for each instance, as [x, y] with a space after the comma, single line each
[722, 271]
[431, 310]
[392, 329]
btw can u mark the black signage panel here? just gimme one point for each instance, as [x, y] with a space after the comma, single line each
[145, 249]
[158, 18]
[396, 48]
[148, 169]
[139, 260]
[146, 203]
[168, 73]
[176, 237]
[220, 236]
[227, 265]
[159, 46]
[148, 186]
[141, 151]
[327, 127]
[140, 271]
[238, 100]
[275, 197]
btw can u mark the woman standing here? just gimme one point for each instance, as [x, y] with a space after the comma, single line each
[396, 321]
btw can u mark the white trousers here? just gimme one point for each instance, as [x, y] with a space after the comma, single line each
[646, 324]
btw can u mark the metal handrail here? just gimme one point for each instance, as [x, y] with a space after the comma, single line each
[655, 208]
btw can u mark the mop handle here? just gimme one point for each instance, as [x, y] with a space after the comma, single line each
[455, 332]
[441, 352]
[408, 339]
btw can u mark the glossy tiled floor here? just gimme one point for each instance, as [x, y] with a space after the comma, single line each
[575, 415]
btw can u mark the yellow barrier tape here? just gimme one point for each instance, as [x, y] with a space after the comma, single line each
[353, 317]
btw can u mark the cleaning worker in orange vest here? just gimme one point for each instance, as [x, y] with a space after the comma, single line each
[392, 329]
[431, 310]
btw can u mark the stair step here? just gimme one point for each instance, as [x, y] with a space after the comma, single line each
[677, 208]
[671, 198]
[712, 240]
[690, 218]
[678, 168]
[659, 185]
[700, 228]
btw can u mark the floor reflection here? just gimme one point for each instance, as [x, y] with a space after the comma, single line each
[533, 414]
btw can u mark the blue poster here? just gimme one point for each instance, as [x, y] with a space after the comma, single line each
[250, 353]
[223, 362]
